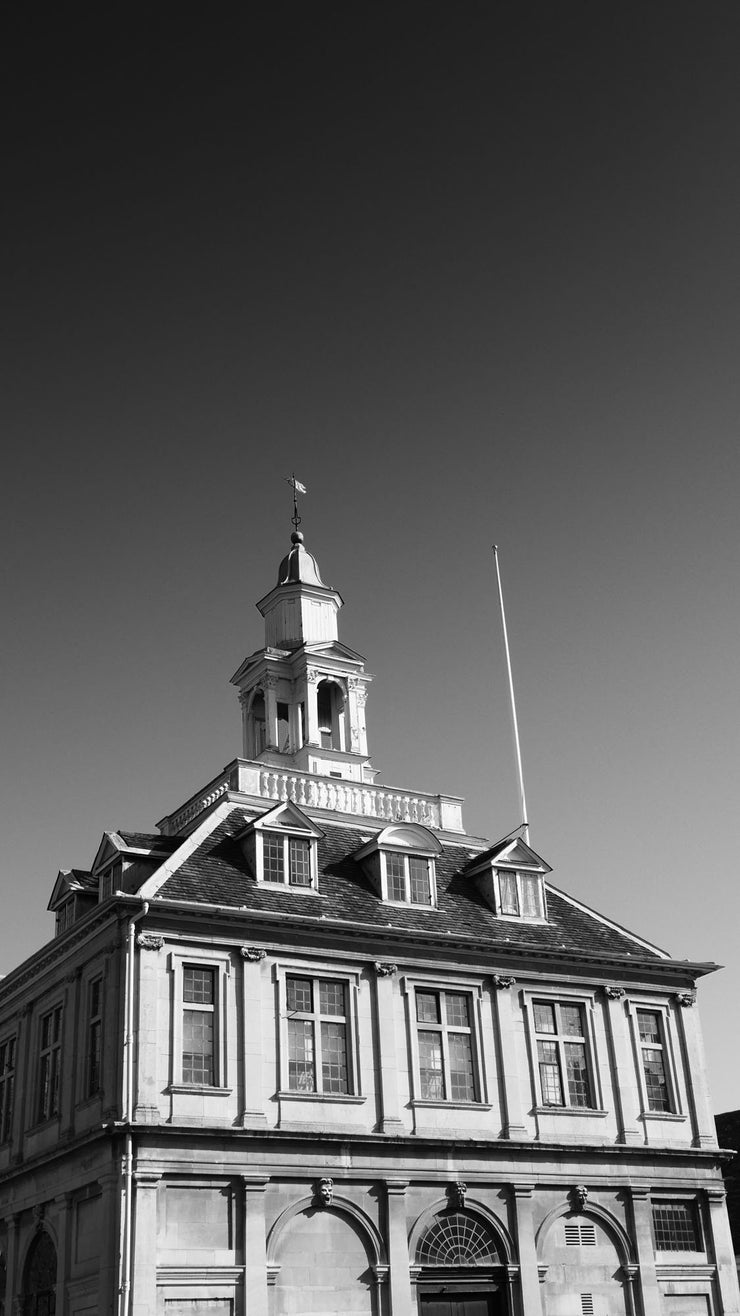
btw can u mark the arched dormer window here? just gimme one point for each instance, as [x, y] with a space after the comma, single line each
[330, 712]
[400, 862]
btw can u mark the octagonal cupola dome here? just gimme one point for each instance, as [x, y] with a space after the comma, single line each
[299, 566]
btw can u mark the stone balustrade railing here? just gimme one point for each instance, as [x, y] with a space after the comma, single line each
[360, 799]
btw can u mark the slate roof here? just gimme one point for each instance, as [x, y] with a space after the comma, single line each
[150, 841]
[218, 873]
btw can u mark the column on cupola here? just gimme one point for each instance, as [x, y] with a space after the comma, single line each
[269, 685]
[357, 698]
[312, 706]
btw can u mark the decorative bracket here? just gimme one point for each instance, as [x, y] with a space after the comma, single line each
[252, 953]
[503, 981]
[385, 970]
[614, 993]
[149, 941]
[685, 999]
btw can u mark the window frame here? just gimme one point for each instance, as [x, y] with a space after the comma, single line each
[586, 1001]
[692, 1202]
[350, 979]
[643, 1005]
[473, 989]
[94, 1027]
[48, 1102]
[220, 964]
[286, 835]
[407, 856]
[518, 872]
[7, 1086]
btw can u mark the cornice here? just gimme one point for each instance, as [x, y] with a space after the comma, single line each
[53, 952]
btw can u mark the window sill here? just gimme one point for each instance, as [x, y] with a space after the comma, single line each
[338, 1098]
[409, 904]
[423, 1103]
[571, 1110]
[290, 886]
[44, 1124]
[200, 1089]
[669, 1116]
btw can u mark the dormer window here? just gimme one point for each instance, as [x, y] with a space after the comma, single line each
[400, 864]
[281, 848]
[511, 879]
[520, 893]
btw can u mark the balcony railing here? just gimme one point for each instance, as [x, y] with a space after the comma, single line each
[308, 790]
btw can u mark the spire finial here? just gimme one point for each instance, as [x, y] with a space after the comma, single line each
[297, 488]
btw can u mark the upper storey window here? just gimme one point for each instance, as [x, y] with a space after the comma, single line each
[511, 878]
[281, 847]
[400, 862]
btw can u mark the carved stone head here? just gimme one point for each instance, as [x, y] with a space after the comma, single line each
[579, 1196]
[325, 1192]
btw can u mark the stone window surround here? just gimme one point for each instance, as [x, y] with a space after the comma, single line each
[568, 996]
[663, 1009]
[200, 958]
[316, 970]
[471, 987]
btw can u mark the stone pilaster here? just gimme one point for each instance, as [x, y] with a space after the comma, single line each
[65, 1205]
[504, 1001]
[647, 1280]
[144, 1249]
[253, 1110]
[529, 1277]
[399, 1285]
[703, 1129]
[624, 1085]
[722, 1246]
[148, 967]
[255, 1254]
[13, 1278]
[390, 1110]
[269, 686]
[110, 1185]
[312, 706]
[72, 1056]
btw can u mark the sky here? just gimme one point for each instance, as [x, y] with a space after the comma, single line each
[473, 273]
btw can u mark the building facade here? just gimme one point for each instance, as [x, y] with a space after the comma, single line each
[310, 1048]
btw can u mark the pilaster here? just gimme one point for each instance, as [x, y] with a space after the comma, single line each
[255, 1252]
[390, 1110]
[703, 1129]
[107, 1277]
[529, 1278]
[144, 1251]
[13, 1278]
[253, 1112]
[64, 1205]
[148, 969]
[399, 1286]
[73, 1058]
[622, 1069]
[503, 1006]
[269, 685]
[312, 706]
[647, 1280]
[722, 1245]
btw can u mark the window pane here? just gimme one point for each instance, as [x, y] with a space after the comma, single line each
[531, 901]
[509, 896]
[457, 1010]
[579, 1091]
[334, 1077]
[299, 856]
[331, 998]
[272, 858]
[300, 994]
[430, 1066]
[544, 1017]
[655, 1079]
[571, 1020]
[675, 1227]
[197, 986]
[427, 1007]
[552, 1089]
[301, 1066]
[197, 1046]
[419, 882]
[395, 873]
[462, 1087]
[649, 1025]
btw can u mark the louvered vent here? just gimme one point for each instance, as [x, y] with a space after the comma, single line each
[587, 1304]
[580, 1235]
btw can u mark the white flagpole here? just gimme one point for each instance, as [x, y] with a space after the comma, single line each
[515, 724]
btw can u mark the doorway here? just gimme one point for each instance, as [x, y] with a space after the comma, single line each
[460, 1304]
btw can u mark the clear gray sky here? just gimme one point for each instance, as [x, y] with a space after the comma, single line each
[473, 272]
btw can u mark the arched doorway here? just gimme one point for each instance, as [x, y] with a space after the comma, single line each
[459, 1267]
[40, 1278]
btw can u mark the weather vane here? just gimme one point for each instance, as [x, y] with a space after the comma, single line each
[297, 488]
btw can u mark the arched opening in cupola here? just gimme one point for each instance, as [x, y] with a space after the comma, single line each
[258, 724]
[330, 711]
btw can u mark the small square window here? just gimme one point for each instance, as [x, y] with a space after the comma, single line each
[676, 1227]
[289, 860]
[408, 878]
[520, 894]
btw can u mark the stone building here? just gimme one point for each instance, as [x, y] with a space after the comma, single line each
[311, 1048]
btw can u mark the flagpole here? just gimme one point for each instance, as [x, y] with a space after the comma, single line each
[517, 748]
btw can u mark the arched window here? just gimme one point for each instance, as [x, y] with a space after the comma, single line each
[457, 1238]
[40, 1278]
[330, 709]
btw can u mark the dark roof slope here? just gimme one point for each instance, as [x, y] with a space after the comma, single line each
[217, 873]
[150, 841]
